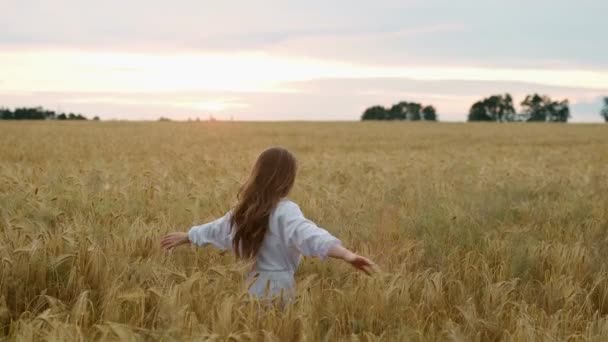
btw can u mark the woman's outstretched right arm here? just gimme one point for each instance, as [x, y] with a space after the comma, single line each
[312, 240]
[357, 261]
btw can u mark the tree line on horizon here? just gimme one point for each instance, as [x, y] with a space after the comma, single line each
[411, 111]
[497, 108]
[535, 108]
[38, 113]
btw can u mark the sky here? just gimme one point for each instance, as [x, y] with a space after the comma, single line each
[298, 60]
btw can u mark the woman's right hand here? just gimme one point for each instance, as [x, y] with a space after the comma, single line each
[173, 240]
[359, 262]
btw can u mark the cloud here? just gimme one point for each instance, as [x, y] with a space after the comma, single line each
[451, 87]
[130, 72]
[279, 59]
[542, 33]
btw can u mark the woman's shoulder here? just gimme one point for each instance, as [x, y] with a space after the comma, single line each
[284, 215]
[286, 206]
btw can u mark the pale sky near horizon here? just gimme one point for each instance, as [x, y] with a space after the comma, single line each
[298, 60]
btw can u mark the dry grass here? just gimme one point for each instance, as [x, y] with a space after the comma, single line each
[483, 232]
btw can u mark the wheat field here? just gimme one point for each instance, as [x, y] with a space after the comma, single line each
[483, 232]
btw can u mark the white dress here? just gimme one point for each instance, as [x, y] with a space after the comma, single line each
[290, 235]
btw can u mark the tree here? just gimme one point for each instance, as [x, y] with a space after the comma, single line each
[534, 108]
[559, 111]
[36, 113]
[497, 108]
[29, 114]
[541, 108]
[429, 113]
[96, 118]
[413, 111]
[375, 113]
[604, 111]
[403, 110]
[6, 114]
[398, 111]
[478, 112]
[49, 114]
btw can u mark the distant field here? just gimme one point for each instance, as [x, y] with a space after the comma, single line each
[483, 231]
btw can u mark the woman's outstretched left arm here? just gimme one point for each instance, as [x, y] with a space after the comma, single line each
[173, 240]
[216, 233]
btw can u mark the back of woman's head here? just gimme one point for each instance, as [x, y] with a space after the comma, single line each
[271, 179]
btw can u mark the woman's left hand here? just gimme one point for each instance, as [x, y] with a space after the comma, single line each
[173, 240]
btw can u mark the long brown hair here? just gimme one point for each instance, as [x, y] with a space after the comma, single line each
[271, 179]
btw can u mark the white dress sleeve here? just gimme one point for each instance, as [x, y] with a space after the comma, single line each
[303, 234]
[216, 233]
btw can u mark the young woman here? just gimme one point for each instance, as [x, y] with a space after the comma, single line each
[269, 229]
